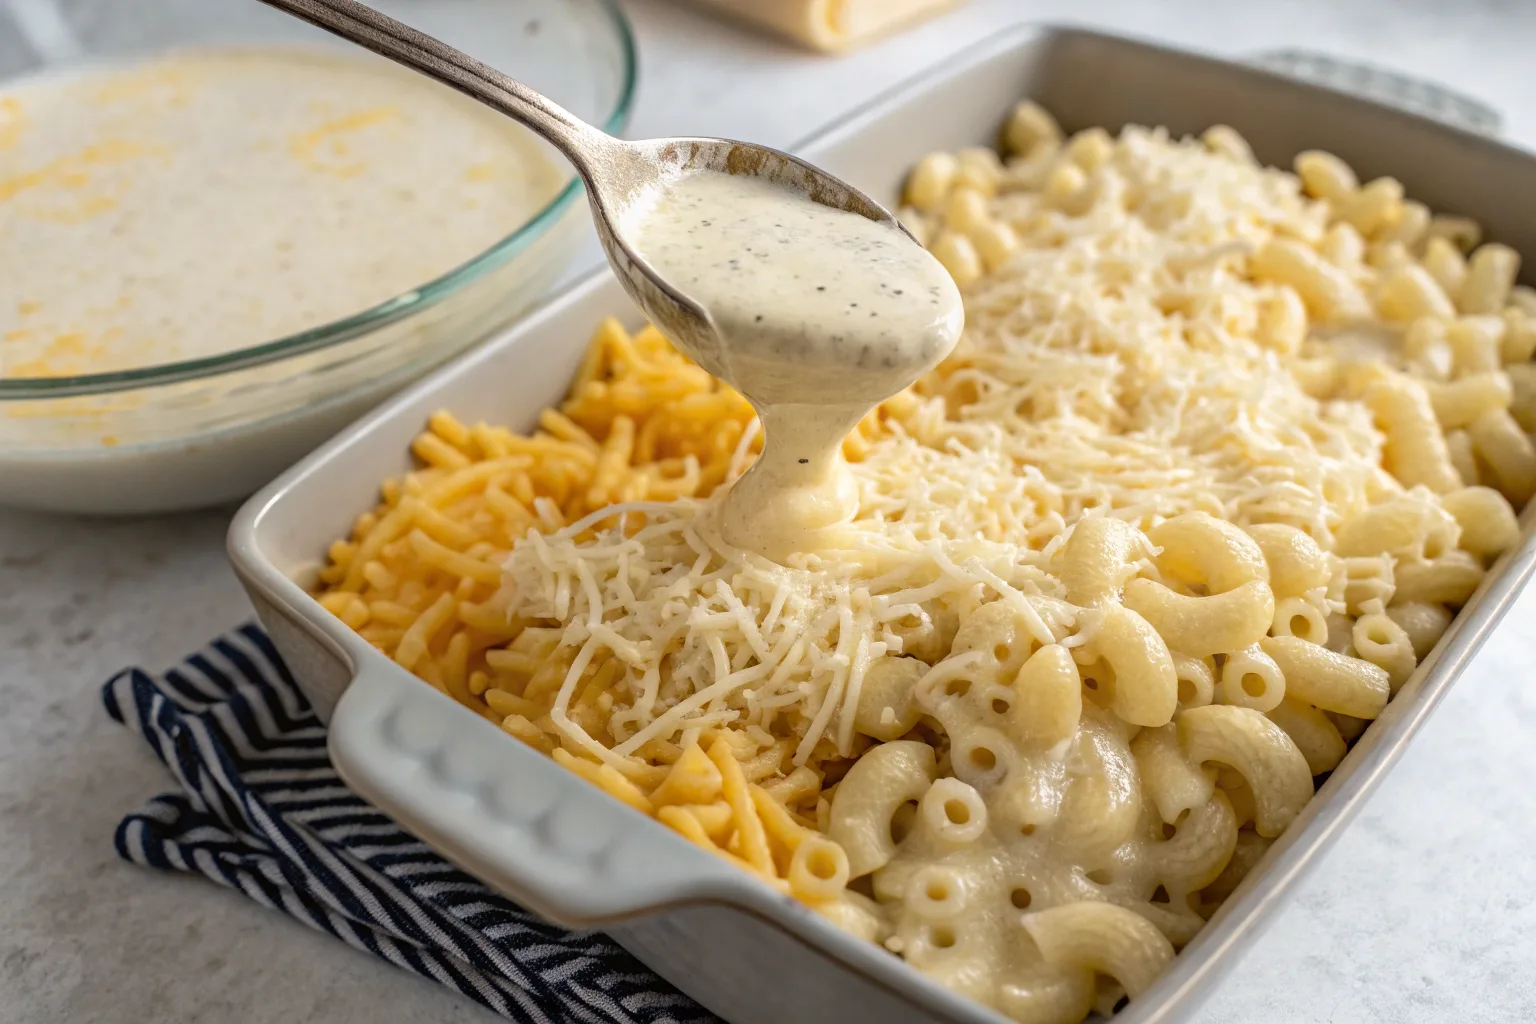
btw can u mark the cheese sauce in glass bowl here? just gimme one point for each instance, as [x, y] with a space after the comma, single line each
[227, 236]
[214, 199]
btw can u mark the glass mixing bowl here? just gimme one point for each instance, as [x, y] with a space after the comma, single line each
[209, 430]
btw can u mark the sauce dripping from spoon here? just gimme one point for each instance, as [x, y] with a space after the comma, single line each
[821, 314]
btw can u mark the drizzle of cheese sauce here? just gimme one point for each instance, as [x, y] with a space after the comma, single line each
[821, 314]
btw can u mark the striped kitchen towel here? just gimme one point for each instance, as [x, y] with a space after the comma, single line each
[260, 809]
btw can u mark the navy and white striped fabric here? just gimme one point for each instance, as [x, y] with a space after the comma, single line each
[261, 810]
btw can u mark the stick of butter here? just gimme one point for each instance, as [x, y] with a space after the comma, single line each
[829, 24]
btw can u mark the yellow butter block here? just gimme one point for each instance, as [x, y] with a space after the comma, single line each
[830, 25]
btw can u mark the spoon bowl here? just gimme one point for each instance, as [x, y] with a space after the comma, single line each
[614, 192]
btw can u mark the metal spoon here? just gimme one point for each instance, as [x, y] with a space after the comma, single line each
[617, 173]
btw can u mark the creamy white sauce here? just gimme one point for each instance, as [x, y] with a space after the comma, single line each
[821, 315]
[209, 200]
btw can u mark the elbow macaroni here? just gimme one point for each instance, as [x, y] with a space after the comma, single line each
[887, 709]
[1295, 561]
[1415, 451]
[1296, 616]
[1313, 732]
[1174, 784]
[1487, 521]
[1200, 626]
[1198, 548]
[1146, 687]
[1197, 680]
[1257, 749]
[1449, 579]
[869, 796]
[1508, 452]
[1385, 644]
[1251, 679]
[1049, 701]
[1199, 849]
[1051, 754]
[1328, 680]
[1103, 938]
[1098, 559]
[1424, 623]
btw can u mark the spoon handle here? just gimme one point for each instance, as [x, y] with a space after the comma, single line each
[368, 28]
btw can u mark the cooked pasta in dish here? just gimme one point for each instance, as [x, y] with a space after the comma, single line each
[1222, 450]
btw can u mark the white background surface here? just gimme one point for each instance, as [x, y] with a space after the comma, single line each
[1424, 912]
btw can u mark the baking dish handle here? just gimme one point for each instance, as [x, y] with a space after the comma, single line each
[1415, 95]
[509, 815]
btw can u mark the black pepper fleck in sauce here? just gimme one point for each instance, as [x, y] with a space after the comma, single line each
[896, 310]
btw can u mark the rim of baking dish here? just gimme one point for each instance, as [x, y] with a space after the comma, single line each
[355, 326]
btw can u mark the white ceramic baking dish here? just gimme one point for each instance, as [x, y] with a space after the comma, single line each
[563, 848]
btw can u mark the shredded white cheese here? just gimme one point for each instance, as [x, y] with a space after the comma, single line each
[1113, 366]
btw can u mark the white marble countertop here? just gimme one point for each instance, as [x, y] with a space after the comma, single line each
[1424, 912]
